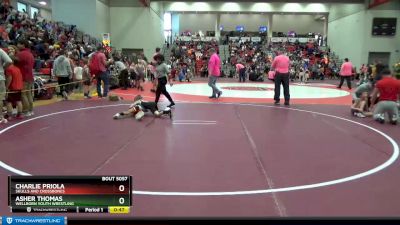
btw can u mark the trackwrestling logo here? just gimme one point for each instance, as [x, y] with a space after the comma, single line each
[56, 220]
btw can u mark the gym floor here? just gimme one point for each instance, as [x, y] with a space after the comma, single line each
[233, 157]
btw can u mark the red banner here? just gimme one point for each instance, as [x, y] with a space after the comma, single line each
[374, 3]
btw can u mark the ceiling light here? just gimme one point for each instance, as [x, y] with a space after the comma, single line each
[43, 3]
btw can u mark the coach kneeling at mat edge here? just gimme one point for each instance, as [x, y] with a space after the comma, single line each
[388, 89]
[281, 65]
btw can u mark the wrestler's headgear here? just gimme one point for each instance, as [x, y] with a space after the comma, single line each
[138, 98]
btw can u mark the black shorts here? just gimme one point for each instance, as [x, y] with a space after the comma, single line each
[140, 76]
[14, 97]
[133, 76]
[87, 82]
[152, 106]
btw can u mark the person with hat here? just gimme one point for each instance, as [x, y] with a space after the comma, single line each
[161, 74]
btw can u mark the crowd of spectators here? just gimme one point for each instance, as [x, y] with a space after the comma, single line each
[305, 58]
[33, 44]
[190, 59]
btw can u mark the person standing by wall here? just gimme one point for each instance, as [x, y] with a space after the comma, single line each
[214, 71]
[25, 62]
[281, 65]
[346, 72]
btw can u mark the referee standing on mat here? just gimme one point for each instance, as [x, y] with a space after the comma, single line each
[281, 65]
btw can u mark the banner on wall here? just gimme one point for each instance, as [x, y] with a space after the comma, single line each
[106, 39]
[374, 3]
[185, 38]
[303, 40]
[107, 42]
[205, 39]
[291, 40]
[256, 39]
[279, 39]
[233, 38]
[245, 39]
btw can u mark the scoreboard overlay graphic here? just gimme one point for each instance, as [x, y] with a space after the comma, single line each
[70, 194]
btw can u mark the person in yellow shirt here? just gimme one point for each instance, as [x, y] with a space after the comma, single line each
[373, 71]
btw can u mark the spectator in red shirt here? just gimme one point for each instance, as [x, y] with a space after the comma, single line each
[25, 62]
[14, 84]
[103, 75]
[388, 89]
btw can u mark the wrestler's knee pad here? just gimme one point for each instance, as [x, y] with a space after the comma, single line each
[157, 113]
[139, 115]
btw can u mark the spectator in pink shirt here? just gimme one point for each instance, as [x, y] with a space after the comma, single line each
[242, 72]
[281, 65]
[214, 71]
[345, 73]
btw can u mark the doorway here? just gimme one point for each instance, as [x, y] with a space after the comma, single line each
[384, 57]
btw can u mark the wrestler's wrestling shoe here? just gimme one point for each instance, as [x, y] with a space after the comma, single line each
[116, 116]
[168, 111]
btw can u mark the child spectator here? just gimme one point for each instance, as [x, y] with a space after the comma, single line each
[302, 76]
[87, 79]
[78, 70]
[14, 84]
